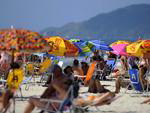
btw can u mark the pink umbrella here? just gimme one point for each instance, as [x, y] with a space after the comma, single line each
[120, 49]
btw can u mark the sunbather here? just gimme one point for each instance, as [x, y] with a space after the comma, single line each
[77, 70]
[94, 100]
[94, 81]
[84, 67]
[69, 72]
[57, 89]
[124, 63]
[147, 101]
[142, 71]
[120, 80]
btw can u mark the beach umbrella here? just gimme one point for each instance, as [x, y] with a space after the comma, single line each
[120, 42]
[139, 48]
[77, 43]
[21, 40]
[84, 47]
[99, 45]
[120, 49]
[61, 47]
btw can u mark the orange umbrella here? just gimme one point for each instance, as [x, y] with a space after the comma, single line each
[61, 46]
[21, 40]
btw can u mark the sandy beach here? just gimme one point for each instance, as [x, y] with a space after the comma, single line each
[126, 103]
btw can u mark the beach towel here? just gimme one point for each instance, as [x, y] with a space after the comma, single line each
[90, 72]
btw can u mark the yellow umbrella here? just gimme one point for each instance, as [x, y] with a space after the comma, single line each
[139, 48]
[120, 42]
[61, 47]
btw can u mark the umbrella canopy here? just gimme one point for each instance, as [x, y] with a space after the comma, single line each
[100, 45]
[77, 43]
[139, 48]
[120, 42]
[61, 47]
[84, 48]
[22, 40]
[120, 49]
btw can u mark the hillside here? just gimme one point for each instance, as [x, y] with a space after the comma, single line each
[125, 23]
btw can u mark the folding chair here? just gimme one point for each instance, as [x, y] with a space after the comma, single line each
[29, 68]
[111, 65]
[44, 68]
[136, 83]
[64, 104]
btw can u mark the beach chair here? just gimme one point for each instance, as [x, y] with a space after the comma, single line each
[65, 104]
[136, 83]
[110, 65]
[29, 69]
[44, 69]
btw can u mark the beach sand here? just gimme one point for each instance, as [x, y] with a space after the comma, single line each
[126, 103]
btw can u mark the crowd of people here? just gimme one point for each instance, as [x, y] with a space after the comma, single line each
[79, 73]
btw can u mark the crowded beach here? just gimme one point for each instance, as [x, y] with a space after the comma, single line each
[48, 74]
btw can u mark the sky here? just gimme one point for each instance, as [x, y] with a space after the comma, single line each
[40, 14]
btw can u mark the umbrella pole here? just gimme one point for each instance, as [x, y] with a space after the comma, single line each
[13, 56]
[12, 61]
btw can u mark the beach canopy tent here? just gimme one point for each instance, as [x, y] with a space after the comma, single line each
[139, 48]
[61, 46]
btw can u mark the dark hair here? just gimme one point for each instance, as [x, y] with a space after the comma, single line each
[94, 58]
[14, 65]
[66, 68]
[75, 62]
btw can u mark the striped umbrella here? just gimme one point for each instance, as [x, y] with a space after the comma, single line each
[84, 48]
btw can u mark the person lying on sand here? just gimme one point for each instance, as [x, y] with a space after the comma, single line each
[94, 99]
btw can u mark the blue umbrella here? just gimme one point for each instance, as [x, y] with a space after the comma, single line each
[100, 45]
[84, 49]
